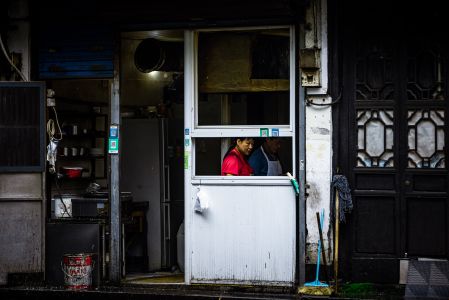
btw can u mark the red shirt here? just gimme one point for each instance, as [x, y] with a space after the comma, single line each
[236, 164]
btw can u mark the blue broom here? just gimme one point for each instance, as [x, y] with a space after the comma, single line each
[317, 287]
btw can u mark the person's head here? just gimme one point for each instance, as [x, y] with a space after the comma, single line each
[244, 145]
[272, 145]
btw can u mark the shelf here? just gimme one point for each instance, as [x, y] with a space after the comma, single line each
[96, 134]
[80, 179]
[80, 114]
[80, 220]
[91, 135]
[86, 157]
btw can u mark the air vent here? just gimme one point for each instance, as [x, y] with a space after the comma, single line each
[21, 126]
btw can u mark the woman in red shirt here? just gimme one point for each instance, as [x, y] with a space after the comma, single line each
[235, 162]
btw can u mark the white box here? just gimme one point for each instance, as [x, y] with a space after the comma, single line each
[61, 209]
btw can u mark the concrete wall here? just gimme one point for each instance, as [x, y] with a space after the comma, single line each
[21, 222]
[18, 40]
[318, 174]
[318, 133]
[22, 200]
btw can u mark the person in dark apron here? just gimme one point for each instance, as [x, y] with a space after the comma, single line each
[265, 160]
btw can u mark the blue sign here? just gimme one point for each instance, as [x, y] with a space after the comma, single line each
[113, 131]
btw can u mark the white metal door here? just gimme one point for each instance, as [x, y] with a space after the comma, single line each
[246, 235]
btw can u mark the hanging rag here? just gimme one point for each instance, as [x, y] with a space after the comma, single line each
[52, 149]
[53, 136]
[340, 183]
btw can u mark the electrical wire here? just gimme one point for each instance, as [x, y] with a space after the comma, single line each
[66, 210]
[51, 130]
[310, 102]
[10, 61]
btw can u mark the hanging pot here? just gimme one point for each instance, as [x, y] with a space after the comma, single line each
[72, 172]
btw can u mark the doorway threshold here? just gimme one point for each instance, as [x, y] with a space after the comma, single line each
[158, 278]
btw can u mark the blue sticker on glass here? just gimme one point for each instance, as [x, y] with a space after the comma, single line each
[275, 132]
[186, 131]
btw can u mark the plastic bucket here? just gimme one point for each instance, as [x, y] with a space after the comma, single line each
[77, 270]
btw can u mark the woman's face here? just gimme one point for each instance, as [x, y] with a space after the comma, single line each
[245, 146]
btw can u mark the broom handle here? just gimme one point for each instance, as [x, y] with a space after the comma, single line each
[337, 221]
[318, 262]
[323, 251]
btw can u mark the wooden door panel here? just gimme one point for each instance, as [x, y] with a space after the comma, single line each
[427, 232]
[429, 182]
[378, 269]
[375, 223]
[380, 181]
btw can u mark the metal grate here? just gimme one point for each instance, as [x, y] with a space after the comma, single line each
[21, 126]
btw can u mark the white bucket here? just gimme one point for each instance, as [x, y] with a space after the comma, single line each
[77, 270]
[62, 207]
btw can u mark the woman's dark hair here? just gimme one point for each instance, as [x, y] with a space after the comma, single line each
[234, 143]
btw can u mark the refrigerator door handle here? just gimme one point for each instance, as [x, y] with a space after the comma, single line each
[166, 183]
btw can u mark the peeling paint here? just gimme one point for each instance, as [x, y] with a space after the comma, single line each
[314, 196]
[320, 130]
[312, 252]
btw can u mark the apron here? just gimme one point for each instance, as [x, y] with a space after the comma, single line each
[274, 166]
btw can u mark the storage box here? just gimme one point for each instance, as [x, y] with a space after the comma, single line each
[61, 207]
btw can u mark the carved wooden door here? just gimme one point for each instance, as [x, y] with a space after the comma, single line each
[396, 156]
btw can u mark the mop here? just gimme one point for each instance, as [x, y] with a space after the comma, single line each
[317, 287]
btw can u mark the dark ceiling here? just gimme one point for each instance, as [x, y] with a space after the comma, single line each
[182, 11]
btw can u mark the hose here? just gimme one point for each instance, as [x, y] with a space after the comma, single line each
[51, 130]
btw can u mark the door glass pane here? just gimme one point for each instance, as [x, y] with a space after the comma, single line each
[426, 139]
[243, 77]
[375, 72]
[209, 154]
[375, 138]
[244, 109]
[426, 75]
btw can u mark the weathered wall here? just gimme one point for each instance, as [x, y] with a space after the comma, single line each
[318, 173]
[21, 195]
[21, 217]
[318, 133]
[18, 40]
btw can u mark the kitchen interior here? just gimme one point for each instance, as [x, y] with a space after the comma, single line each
[152, 151]
[243, 79]
[151, 163]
